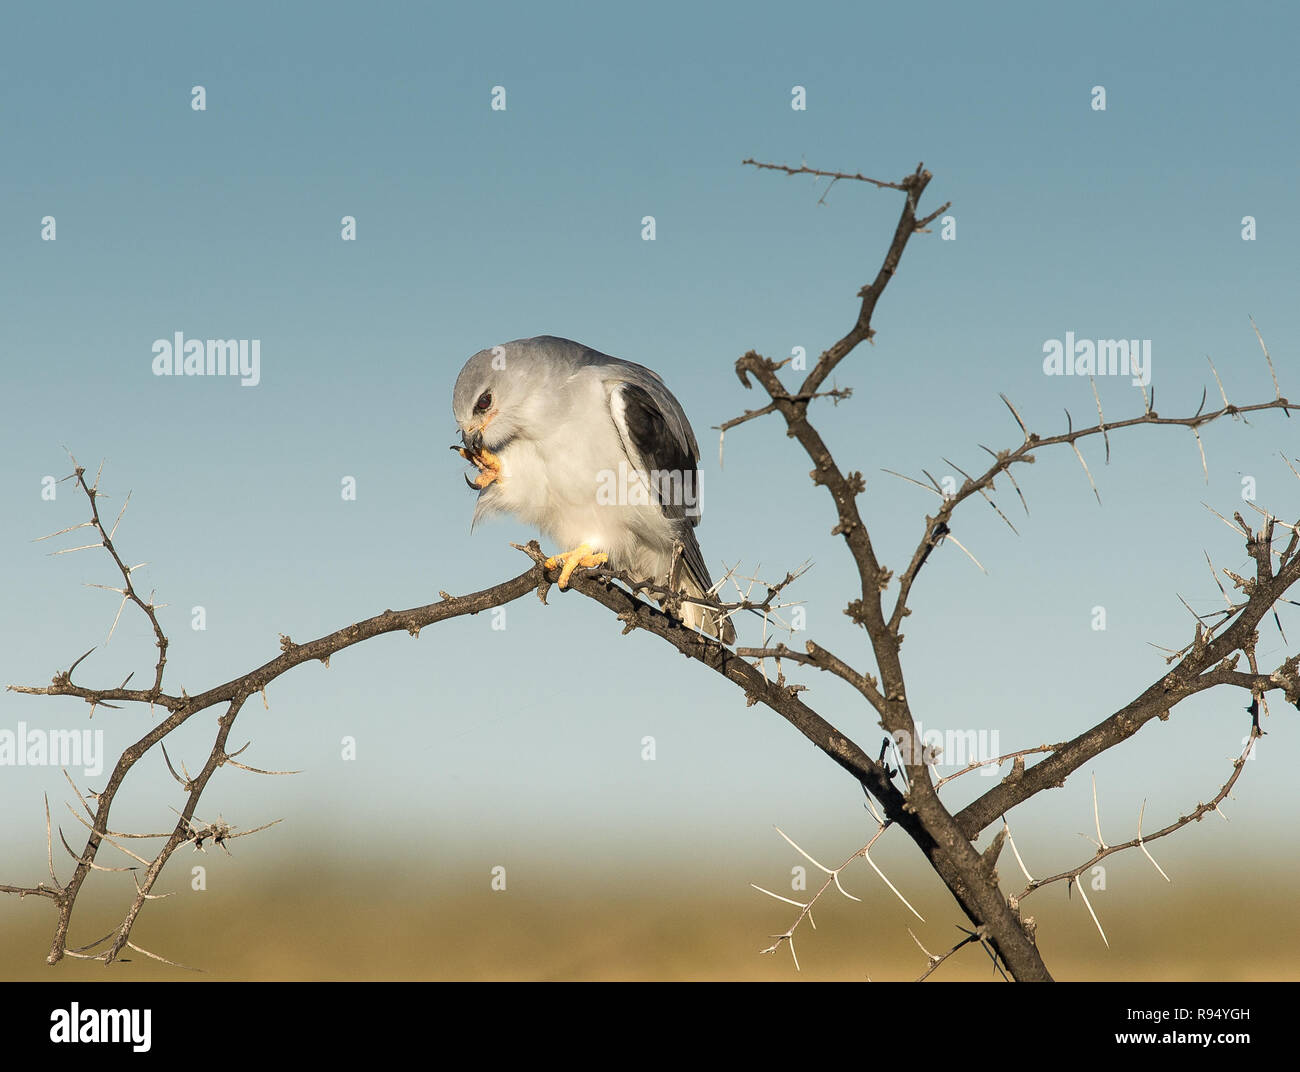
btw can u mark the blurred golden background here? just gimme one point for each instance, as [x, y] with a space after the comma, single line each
[299, 918]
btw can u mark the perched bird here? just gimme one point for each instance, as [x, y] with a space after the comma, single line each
[593, 451]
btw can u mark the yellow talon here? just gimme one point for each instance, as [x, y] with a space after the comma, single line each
[487, 464]
[582, 555]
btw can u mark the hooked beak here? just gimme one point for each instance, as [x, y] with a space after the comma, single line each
[473, 441]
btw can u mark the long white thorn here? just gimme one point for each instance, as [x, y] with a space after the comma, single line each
[950, 536]
[1096, 815]
[1092, 913]
[1143, 847]
[83, 547]
[800, 851]
[879, 872]
[836, 876]
[88, 524]
[1012, 842]
[787, 900]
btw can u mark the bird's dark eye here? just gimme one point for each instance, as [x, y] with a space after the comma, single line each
[484, 402]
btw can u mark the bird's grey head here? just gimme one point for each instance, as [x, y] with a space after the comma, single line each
[499, 389]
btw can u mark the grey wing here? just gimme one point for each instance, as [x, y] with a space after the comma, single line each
[658, 440]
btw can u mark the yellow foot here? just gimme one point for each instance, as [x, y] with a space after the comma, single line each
[582, 555]
[487, 464]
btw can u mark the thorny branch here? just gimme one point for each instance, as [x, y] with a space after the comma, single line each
[181, 708]
[1073, 876]
[599, 585]
[1206, 662]
[832, 879]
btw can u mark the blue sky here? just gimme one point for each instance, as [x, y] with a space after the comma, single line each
[476, 226]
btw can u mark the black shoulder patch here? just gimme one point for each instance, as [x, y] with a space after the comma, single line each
[650, 433]
[661, 452]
